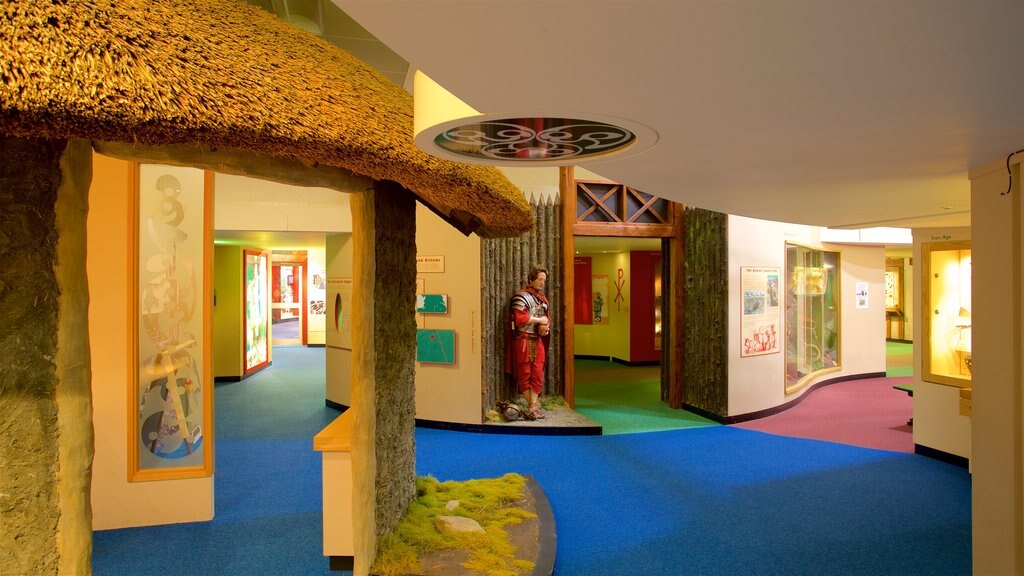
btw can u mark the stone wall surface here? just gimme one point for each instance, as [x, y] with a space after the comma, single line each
[43, 309]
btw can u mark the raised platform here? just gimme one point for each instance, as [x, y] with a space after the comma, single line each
[534, 539]
[562, 421]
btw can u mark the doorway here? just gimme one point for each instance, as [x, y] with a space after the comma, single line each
[288, 298]
[617, 316]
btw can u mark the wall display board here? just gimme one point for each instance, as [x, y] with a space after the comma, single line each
[170, 415]
[435, 346]
[761, 318]
[861, 295]
[812, 314]
[432, 303]
[256, 310]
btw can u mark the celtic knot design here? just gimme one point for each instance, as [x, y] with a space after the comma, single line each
[535, 139]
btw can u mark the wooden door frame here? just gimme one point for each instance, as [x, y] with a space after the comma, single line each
[674, 236]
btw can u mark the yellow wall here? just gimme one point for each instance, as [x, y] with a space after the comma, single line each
[997, 431]
[610, 339]
[117, 503]
[450, 393]
[227, 311]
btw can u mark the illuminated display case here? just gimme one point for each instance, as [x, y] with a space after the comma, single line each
[946, 311]
[812, 314]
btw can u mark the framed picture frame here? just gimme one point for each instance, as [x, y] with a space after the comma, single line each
[170, 416]
[255, 310]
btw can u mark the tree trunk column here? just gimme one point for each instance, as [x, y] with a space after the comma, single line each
[45, 384]
[383, 366]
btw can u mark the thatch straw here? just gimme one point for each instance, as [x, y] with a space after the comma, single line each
[225, 74]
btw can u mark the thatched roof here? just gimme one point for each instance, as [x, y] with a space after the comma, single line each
[224, 74]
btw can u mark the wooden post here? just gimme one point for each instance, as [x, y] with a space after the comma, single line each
[676, 351]
[45, 380]
[567, 189]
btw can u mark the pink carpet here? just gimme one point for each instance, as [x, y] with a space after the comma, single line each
[867, 413]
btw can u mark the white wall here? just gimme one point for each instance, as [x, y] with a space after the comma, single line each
[758, 382]
[937, 420]
[250, 204]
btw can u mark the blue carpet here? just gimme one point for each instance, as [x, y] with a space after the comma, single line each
[714, 500]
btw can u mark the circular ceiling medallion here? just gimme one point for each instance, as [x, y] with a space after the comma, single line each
[534, 139]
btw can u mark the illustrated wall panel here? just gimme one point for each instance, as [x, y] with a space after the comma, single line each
[171, 408]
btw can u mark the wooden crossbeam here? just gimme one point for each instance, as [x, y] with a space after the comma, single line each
[597, 202]
[648, 206]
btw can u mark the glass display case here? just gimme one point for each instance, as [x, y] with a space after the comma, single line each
[946, 311]
[812, 314]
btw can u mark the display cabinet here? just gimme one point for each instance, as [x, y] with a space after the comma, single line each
[946, 313]
[812, 314]
[895, 321]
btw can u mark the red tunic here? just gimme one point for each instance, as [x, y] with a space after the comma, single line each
[527, 351]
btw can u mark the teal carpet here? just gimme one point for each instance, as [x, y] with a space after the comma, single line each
[625, 400]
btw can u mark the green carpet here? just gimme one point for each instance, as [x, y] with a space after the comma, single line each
[625, 400]
[899, 359]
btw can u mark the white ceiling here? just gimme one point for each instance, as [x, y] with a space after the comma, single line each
[842, 114]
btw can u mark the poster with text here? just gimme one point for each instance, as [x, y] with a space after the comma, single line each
[760, 322]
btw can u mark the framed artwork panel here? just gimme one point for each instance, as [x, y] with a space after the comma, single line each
[170, 417]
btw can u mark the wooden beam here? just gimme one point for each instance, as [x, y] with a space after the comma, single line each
[627, 230]
[567, 189]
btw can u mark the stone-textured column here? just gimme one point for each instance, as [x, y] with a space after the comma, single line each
[383, 364]
[46, 438]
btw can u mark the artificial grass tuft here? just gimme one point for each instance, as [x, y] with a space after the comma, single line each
[488, 501]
